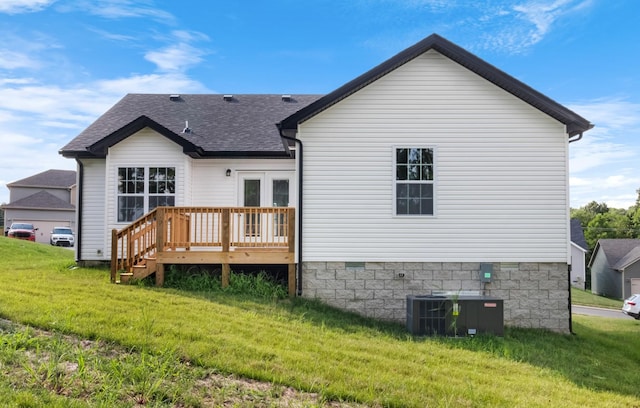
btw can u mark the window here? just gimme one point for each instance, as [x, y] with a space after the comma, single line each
[142, 189]
[162, 187]
[414, 181]
[252, 199]
[280, 199]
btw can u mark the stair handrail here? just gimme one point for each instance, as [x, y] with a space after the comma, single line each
[133, 243]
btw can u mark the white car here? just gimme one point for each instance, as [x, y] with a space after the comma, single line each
[631, 306]
[62, 236]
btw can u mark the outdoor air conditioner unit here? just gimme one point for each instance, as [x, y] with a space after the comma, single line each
[429, 315]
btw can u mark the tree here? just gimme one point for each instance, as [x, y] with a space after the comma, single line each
[613, 224]
[588, 212]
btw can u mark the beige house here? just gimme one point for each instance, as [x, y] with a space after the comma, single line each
[46, 200]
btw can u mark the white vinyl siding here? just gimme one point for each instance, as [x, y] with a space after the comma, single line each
[145, 148]
[501, 172]
[199, 182]
[212, 187]
[94, 243]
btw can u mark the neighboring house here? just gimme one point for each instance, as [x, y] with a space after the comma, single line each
[615, 268]
[46, 200]
[405, 180]
[579, 249]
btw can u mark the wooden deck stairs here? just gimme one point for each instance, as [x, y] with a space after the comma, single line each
[146, 267]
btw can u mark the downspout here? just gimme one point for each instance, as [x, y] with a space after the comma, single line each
[79, 211]
[570, 266]
[300, 167]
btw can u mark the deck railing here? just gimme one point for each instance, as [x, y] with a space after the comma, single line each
[131, 245]
[198, 235]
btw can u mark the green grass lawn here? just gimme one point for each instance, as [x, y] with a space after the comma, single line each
[586, 298]
[109, 345]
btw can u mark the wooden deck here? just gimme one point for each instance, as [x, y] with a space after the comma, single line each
[204, 235]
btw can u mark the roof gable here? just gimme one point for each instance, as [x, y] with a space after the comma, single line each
[575, 124]
[100, 147]
[614, 249]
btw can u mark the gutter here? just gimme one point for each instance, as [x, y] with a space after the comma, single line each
[300, 167]
[79, 211]
[577, 138]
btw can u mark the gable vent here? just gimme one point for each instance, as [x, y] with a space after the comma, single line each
[227, 97]
[174, 97]
[286, 98]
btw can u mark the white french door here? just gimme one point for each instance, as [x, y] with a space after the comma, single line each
[265, 189]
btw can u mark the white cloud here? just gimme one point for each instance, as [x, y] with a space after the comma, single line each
[180, 55]
[515, 28]
[23, 6]
[151, 83]
[175, 58]
[616, 122]
[541, 15]
[37, 120]
[13, 60]
[118, 9]
[604, 165]
[610, 113]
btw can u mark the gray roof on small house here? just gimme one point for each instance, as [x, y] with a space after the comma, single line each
[41, 200]
[577, 234]
[62, 179]
[219, 125]
[575, 124]
[616, 250]
[629, 259]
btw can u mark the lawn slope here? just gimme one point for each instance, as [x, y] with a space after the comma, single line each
[316, 349]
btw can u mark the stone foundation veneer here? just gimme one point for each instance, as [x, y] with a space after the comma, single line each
[535, 294]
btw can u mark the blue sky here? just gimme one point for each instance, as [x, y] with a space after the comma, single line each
[65, 62]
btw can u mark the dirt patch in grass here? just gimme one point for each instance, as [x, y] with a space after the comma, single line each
[99, 372]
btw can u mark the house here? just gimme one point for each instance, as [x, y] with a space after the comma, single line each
[46, 200]
[615, 268]
[579, 249]
[406, 180]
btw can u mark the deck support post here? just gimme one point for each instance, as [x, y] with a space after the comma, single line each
[114, 255]
[292, 280]
[226, 274]
[226, 239]
[159, 274]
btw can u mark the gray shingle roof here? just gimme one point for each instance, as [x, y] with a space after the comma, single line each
[575, 123]
[48, 179]
[244, 125]
[41, 200]
[632, 257]
[577, 234]
[616, 249]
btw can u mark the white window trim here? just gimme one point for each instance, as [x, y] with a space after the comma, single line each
[436, 168]
[145, 196]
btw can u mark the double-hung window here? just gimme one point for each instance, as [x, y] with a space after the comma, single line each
[414, 168]
[141, 189]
